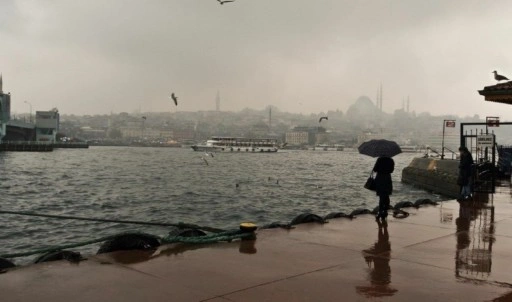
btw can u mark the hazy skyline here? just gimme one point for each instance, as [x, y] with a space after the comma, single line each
[95, 57]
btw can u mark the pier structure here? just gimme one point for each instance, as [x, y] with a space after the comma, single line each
[38, 135]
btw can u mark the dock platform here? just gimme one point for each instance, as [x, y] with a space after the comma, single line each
[28, 146]
[455, 251]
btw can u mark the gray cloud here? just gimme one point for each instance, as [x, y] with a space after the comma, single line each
[301, 56]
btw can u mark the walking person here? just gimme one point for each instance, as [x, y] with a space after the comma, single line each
[384, 166]
[464, 179]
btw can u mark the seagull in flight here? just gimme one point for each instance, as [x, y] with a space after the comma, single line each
[208, 153]
[499, 77]
[323, 118]
[174, 98]
[205, 161]
[225, 1]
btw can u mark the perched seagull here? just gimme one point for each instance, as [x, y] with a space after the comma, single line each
[323, 118]
[174, 98]
[225, 1]
[499, 77]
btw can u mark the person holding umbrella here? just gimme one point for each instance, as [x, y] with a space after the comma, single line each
[384, 166]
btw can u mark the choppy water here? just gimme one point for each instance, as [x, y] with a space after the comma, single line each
[175, 185]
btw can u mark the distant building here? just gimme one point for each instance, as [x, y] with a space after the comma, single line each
[92, 133]
[183, 134]
[307, 135]
[47, 125]
[131, 132]
[162, 135]
[368, 135]
[297, 138]
[5, 110]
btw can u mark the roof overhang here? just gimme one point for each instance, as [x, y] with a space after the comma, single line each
[499, 93]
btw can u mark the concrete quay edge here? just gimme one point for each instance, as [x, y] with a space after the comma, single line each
[450, 252]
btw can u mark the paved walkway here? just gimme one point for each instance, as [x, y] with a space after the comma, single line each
[449, 252]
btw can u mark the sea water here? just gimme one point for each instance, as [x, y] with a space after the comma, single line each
[173, 185]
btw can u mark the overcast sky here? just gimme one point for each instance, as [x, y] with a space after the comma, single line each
[303, 56]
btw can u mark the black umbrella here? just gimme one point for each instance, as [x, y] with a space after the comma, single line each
[379, 148]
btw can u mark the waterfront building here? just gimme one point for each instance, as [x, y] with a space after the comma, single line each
[131, 131]
[93, 133]
[297, 137]
[47, 125]
[183, 134]
[301, 135]
[5, 110]
[371, 134]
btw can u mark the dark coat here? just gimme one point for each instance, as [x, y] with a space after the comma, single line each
[465, 166]
[383, 183]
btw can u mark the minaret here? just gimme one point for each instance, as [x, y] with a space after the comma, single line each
[1, 84]
[377, 99]
[380, 101]
[217, 101]
[270, 118]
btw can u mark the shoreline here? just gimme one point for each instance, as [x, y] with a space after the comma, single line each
[460, 250]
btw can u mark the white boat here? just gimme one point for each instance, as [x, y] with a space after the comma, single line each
[411, 149]
[237, 144]
[326, 147]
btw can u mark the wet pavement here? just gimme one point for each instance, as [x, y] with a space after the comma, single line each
[450, 252]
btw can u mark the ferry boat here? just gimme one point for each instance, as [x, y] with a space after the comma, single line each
[326, 147]
[411, 149]
[237, 144]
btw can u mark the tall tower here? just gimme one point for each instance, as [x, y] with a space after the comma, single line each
[217, 102]
[380, 101]
[270, 118]
[1, 84]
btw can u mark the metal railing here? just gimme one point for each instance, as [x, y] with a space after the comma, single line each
[430, 152]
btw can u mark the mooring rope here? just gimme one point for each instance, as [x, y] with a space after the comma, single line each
[224, 236]
[58, 247]
[211, 238]
[179, 225]
[216, 236]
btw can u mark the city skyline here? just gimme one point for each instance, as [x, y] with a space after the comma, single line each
[309, 57]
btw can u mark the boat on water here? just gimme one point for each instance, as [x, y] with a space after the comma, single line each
[237, 144]
[411, 149]
[328, 147]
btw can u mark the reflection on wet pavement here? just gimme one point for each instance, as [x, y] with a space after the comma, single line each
[377, 258]
[475, 238]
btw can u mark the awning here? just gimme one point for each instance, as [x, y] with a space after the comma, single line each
[499, 93]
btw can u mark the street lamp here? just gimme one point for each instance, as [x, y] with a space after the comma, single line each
[30, 116]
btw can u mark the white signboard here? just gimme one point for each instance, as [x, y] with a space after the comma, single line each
[485, 140]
